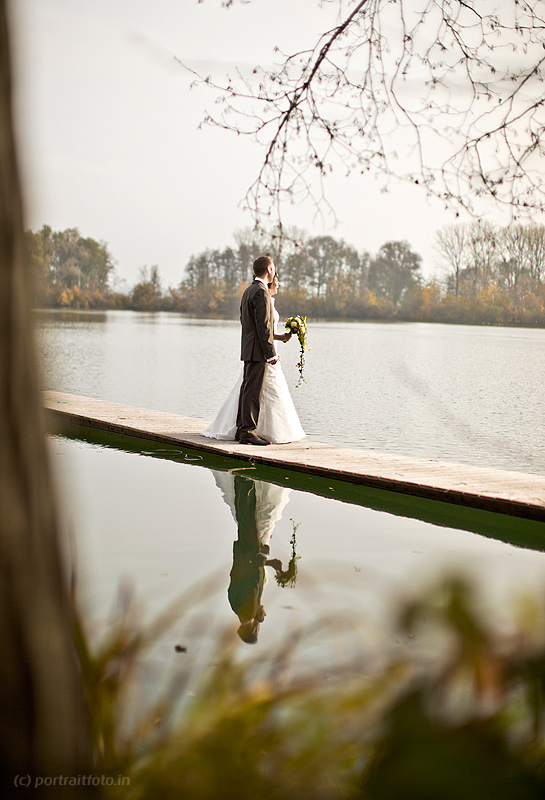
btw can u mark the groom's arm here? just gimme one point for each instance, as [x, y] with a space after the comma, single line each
[264, 324]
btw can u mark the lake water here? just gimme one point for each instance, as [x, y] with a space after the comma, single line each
[455, 393]
[165, 522]
[166, 519]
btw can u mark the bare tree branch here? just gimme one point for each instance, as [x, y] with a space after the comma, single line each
[446, 94]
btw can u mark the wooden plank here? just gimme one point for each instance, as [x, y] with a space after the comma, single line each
[503, 491]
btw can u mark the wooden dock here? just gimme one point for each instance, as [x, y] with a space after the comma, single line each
[506, 492]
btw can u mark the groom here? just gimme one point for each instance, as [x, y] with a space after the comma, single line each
[257, 348]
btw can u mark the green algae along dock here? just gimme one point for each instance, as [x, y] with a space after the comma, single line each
[502, 491]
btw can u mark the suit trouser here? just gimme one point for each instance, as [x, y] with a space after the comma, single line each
[247, 573]
[250, 392]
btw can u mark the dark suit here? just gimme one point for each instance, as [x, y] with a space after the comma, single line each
[248, 572]
[257, 347]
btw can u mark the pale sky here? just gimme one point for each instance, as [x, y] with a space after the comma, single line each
[110, 139]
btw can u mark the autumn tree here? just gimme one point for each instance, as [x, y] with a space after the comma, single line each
[536, 252]
[513, 257]
[395, 271]
[451, 244]
[63, 260]
[483, 254]
[296, 270]
[252, 243]
[96, 264]
[328, 259]
[522, 254]
[146, 295]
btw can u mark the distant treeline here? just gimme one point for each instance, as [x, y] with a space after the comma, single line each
[488, 275]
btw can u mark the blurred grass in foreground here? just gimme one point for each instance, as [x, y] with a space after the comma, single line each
[465, 719]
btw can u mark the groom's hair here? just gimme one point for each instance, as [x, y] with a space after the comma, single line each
[261, 265]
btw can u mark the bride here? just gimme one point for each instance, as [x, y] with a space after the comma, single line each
[278, 421]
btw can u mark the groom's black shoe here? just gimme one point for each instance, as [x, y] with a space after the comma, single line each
[251, 438]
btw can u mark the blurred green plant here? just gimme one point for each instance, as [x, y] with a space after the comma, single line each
[458, 715]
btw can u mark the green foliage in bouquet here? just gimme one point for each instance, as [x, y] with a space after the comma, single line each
[298, 325]
[288, 577]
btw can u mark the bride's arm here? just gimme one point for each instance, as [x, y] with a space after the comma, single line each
[282, 337]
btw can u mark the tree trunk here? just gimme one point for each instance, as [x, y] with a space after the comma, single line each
[42, 722]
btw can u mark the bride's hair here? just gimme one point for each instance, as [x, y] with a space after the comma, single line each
[261, 265]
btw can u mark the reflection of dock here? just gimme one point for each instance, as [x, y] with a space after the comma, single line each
[501, 491]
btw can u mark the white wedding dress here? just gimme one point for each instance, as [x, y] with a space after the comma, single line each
[278, 421]
[270, 502]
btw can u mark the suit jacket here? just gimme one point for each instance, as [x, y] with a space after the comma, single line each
[248, 571]
[257, 318]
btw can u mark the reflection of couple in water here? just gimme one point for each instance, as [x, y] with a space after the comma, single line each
[256, 506]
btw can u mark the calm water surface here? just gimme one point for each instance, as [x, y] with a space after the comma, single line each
[454, 393]
[164, 523]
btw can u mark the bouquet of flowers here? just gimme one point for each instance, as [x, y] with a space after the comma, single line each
[298, 325]
[288, 577]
